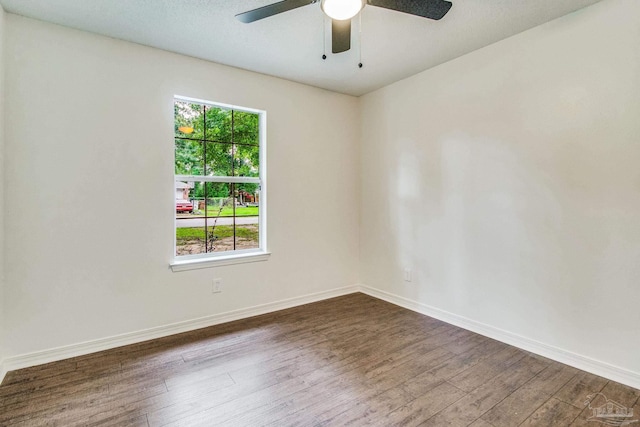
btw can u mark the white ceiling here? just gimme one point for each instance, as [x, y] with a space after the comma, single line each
[290, 45]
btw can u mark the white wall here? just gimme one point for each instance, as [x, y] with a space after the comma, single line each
[92, 116]
[2, 37]
[509, 181]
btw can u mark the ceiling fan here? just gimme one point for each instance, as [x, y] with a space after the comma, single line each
[341, 12]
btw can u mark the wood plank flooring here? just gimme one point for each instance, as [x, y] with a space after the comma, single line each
[347, 361]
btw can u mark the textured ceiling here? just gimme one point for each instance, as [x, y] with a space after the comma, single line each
[290, 45]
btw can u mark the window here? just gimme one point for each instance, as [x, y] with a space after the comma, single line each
[219, 181]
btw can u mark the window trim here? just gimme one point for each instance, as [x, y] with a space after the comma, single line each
[218, 261]
[214, 259]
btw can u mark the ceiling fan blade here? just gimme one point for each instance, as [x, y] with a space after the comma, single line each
[432, 9]
[271, 9]
[340, 35]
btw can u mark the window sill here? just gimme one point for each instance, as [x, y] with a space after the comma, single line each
[194, 264]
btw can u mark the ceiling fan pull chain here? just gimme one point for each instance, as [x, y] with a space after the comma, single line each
[360, 40]
[324, 37]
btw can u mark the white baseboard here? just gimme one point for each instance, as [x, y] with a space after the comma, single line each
[584, 363]
[65, 352]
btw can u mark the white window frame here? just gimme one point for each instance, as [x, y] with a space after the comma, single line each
[213, 259]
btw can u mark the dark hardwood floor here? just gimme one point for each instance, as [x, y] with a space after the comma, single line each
[352, 360]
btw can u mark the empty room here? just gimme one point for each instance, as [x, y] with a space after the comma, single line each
[319, 213]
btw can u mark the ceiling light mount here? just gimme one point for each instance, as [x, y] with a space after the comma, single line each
[341, 10]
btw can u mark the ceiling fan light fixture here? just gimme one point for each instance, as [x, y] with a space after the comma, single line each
[341, 10]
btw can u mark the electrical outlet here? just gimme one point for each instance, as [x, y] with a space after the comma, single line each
[217, 286]
[407, 274]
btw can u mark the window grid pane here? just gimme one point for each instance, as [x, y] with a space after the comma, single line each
[217, 167]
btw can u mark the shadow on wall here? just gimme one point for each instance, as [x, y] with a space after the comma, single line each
[474, 217]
